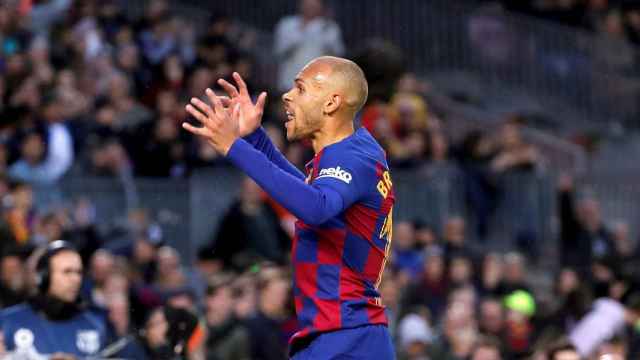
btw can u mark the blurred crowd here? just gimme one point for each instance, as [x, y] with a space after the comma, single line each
[587, 14]
[87, 89]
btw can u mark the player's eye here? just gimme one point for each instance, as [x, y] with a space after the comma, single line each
[300, 89]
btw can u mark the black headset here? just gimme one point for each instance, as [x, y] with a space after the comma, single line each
[43, 268]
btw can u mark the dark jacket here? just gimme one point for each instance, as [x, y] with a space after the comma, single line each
[579, 246]
[254, 235]
[228, 341]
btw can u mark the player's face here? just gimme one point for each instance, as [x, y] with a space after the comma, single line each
[66, 276]
[303, 103]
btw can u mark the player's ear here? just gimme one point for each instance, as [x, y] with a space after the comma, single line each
[332, 104]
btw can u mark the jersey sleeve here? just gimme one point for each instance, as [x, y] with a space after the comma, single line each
[343, 172]
[312, 203]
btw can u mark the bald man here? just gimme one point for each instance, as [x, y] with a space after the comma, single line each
[343, 203]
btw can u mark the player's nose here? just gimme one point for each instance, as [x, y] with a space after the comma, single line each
[286, 96]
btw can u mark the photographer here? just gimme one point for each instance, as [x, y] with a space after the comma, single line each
[55, 321]
[168, 333]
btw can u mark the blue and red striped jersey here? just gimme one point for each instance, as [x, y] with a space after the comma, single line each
[338, 263]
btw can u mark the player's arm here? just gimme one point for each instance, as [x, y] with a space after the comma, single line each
[313, 204]
[260, 140]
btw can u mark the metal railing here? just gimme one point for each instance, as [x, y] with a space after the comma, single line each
[189, 210]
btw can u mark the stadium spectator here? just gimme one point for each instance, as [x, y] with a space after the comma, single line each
[613, 50]
[18, 215]
[267, 327]
[39, 164]
[13, 284]
[406, 257]
[250, 229]
[391, 290]
[491, 275]
[491, 318]
[487, 349]
[514, 274]
[583, 237]
[119, 310]
[513, 153]
[227, 338]
[563, 351]
[101, 267]
[459, 333]
[454, 238]
[168, 333]
[303, 37]
[430, 289]
[415, 336]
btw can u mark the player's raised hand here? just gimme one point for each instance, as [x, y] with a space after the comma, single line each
[219, 126]
[251, 113]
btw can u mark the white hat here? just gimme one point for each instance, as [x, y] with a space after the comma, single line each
[414, 328]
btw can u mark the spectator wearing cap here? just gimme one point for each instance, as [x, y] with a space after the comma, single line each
[414, 335]
[227, 338]
[520, 307]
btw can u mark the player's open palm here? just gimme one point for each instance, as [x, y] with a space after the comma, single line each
[251, 113]
[219, 123]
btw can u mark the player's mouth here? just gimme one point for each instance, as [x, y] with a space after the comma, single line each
[290, 115]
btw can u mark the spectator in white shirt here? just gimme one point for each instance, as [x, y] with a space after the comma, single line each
[303, 37]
